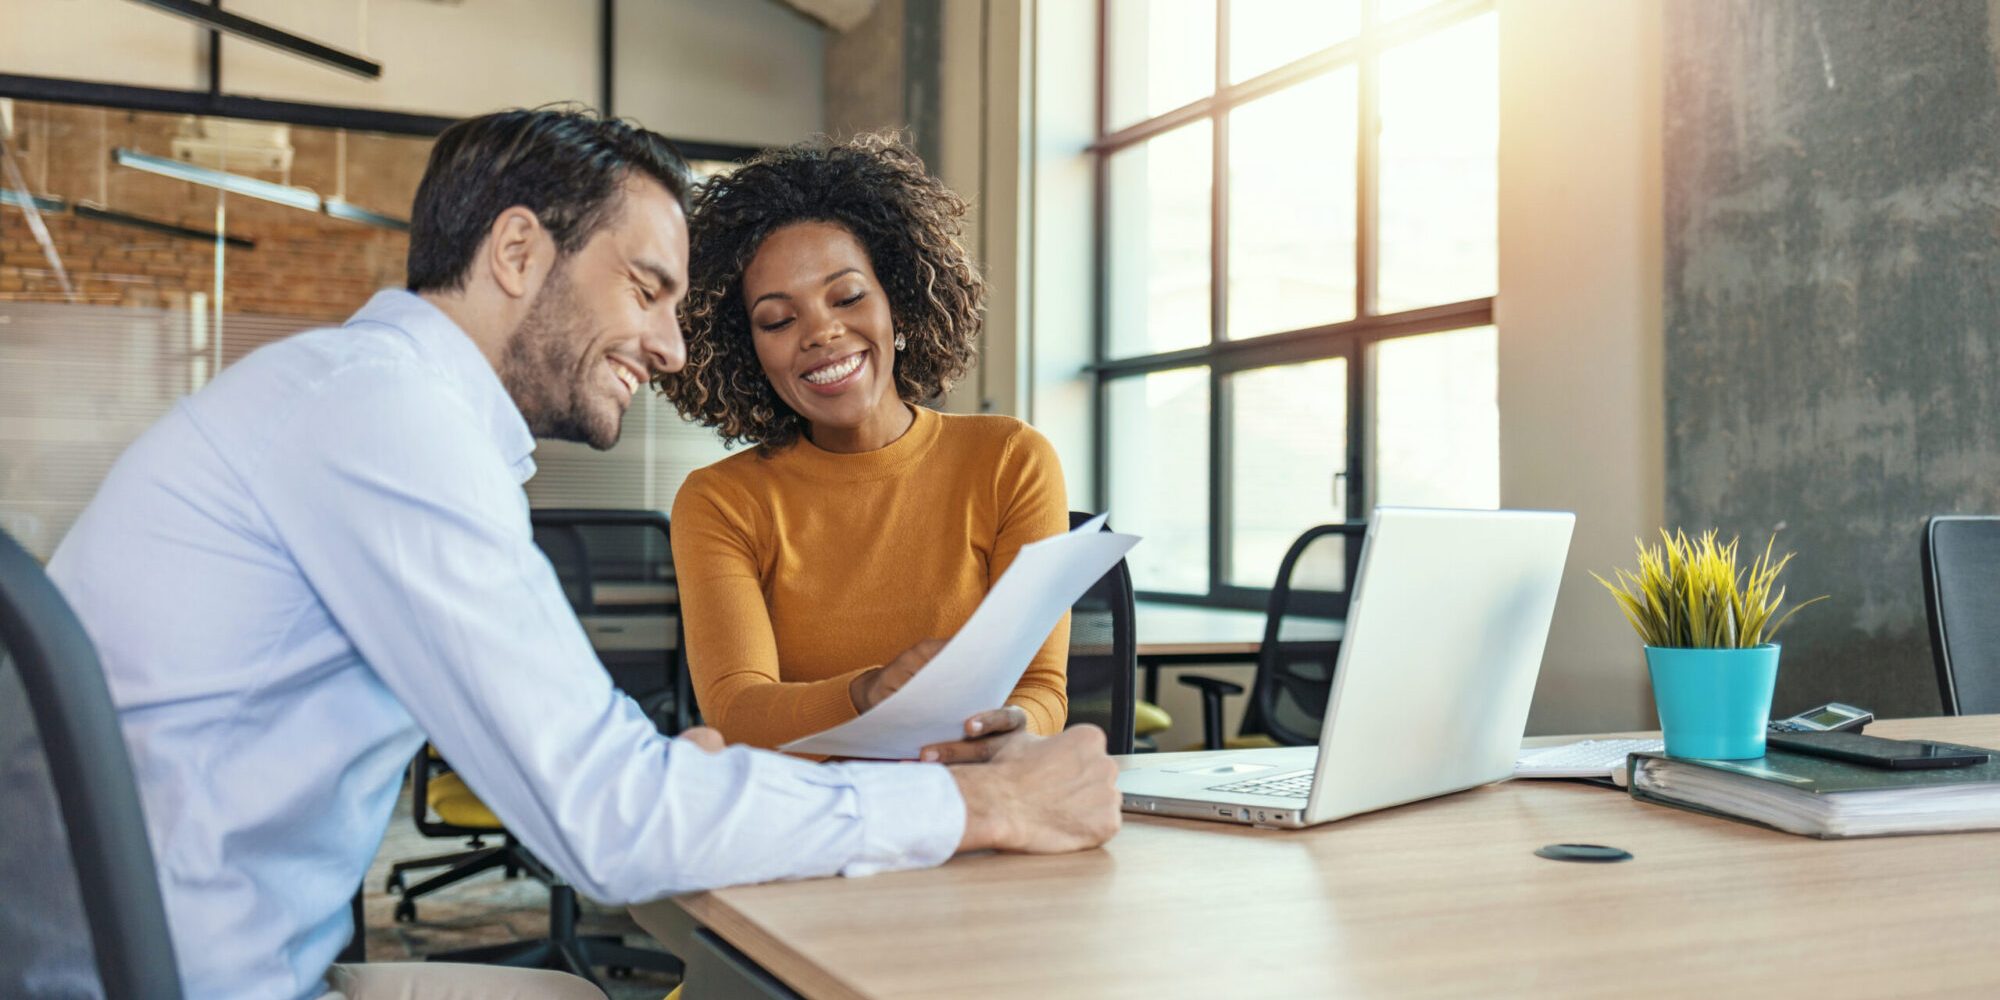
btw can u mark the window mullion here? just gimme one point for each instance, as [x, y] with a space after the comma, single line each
[1100, 419]
[1218, 312]
[1367, 205]
[1220, 414]
[1367, 260]
[1218, 175]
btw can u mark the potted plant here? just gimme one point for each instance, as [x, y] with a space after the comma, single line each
[1710, 631]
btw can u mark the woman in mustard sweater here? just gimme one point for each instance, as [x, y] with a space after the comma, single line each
[828, 298]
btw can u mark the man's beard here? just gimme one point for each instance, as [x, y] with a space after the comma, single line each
[542, 369]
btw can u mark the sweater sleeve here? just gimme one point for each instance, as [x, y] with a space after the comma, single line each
[732, 648]
[1033, 504]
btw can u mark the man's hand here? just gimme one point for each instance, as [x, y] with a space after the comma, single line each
[868, 689]
[985, 734]
[1041, 795]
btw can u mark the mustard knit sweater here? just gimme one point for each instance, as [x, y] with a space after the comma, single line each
[801, 570]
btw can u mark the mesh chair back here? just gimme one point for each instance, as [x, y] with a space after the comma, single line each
[80, 908]
[1308, 609]
[563, 544]
[1961, 562]
[617, 569]
[1102, 654]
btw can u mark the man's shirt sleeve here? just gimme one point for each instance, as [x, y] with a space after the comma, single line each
[404, 517]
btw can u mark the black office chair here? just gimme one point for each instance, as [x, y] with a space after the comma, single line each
[80, 911]
[1961, 564]
[461, 814]
[1102, 665]
[616, 569]
[441, 805]
[1307, 610]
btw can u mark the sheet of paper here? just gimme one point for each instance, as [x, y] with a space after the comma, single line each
[978, 668]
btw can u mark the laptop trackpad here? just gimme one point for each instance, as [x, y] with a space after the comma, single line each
[1227, 767]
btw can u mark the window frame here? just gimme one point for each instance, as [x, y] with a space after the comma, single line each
[1350, 339]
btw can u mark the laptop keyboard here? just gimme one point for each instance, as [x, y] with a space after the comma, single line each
[1296, 785]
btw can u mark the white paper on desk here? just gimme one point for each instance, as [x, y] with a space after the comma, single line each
[979, 667]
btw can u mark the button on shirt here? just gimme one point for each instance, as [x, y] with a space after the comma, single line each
[323, 557]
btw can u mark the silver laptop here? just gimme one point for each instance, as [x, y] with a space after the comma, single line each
[1430, 691]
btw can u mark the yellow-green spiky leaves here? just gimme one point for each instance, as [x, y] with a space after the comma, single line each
[1689, 594]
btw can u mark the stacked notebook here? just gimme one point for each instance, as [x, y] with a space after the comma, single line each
[1818, 797]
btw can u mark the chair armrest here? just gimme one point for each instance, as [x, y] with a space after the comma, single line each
[1215, 685]
[1212, 689]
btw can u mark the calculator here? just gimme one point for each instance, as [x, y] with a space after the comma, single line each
[1832, 717]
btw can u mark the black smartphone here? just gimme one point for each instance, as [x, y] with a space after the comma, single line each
[1901, 755]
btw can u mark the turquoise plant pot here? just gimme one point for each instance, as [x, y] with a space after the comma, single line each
[1714, 703]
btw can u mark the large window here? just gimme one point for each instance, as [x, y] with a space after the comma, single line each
[1297, 202]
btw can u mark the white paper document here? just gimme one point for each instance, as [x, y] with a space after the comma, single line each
[979, 667]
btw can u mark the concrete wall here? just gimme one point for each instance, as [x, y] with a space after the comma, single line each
[1833, 285]
[1578, 312]
[887, 72]
[745, 71]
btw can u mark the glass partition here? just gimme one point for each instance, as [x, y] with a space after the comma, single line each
[143, 253]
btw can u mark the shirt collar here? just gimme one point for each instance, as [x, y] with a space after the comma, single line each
[444, 344]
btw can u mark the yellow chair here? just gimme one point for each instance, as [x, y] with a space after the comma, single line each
[455, 804]
[439, 791]
[1150, 720]
[1153, 720]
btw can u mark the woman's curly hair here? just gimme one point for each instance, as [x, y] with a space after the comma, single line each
[907, 220]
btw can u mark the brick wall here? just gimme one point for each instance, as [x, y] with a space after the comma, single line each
[303, 265]
[311, 271]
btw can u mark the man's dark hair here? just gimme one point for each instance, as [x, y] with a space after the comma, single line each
[564, 164]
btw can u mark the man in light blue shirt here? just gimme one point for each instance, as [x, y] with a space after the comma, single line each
[324, 557]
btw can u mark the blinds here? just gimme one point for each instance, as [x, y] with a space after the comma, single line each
[642, 472]
[77, 384]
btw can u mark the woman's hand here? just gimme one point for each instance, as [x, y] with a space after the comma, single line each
[704, 739]
[869, 688]
[985, 734]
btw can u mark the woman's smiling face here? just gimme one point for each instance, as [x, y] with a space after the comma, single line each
[824, 335]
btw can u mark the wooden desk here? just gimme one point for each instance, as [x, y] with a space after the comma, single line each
[1174, 634]
[1443, 897]
[630, 633]
[618, 594]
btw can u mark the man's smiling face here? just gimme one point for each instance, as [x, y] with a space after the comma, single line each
[603, 323]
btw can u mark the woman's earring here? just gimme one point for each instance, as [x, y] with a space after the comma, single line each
[901, 342]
